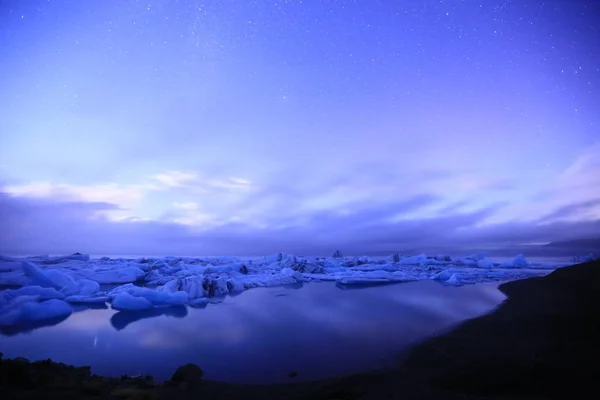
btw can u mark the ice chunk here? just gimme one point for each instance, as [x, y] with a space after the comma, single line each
[476, 257]
[453, 280]
[115, 275]
[362, 281]
[62, 259]
[155, 297]
[294, 274]
[49, 309]
[59, 280]
[442, 276]
[125, 301]
[273, 258]
[42, 293]
[49, 278]
[87, 299]
[485, 263]
[235, 286]
[518, 262]
[25, 309]
[415, 260]
[9, 265]
[288, 261]
[87, 287]
[394, 258]
[161, 298]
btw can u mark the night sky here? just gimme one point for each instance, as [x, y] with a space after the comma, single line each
[251, 127]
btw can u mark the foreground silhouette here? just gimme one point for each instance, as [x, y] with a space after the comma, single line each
[540, 343]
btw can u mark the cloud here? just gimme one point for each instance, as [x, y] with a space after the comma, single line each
[124, 196]
[584, 210]
[369, 207]
[39, 225]
[174, 179]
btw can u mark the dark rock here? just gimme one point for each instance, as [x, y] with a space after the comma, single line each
[293, 374]
[209, 285]
[190, 373]
[308, 267]
[174, 261]
[337, 254]
[244, 269]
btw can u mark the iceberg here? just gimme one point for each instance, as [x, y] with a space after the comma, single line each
[485, 263]
[518, 262]
[82, 299]
[163, 283]
[41, 293]
[115, 275]
[125, 301]
[45, 310]
[26, 309]
[453, 280]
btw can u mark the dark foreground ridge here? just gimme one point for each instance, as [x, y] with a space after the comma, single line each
[542, 342]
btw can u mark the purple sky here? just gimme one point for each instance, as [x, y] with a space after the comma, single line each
[250, 127]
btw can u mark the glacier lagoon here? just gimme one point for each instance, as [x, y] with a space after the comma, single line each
[316, 329]
[247, 321]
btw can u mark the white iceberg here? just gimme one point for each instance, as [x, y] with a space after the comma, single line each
[26, 309]
[453, 280]
[114, 275]
[125, 301]
[485, 263]
[82, 299]
[49, 309]
[42, 293]
[175, 281]
[518, 262]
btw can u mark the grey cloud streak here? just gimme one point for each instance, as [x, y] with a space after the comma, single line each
[32, 226]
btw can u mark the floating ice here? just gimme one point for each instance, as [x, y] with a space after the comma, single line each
[42, 293]
[81, 299]
[25, 309]
[45, 310]
[453, 280]
[114, 275]
[582, 259]
[38, 283]
[485, 263]
[518, 262]
[125, 301]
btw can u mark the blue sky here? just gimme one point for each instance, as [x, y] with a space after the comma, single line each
[207, 127]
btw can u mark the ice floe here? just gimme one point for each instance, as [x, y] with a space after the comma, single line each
[42, 287]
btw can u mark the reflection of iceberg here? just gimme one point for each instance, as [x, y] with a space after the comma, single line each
[122, 319]
[24, 313]
[25, 327]
[149, 283]
[350, 284]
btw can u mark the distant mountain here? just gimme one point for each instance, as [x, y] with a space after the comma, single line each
[590, 244]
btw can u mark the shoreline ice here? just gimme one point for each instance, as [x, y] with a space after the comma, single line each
[44, 287]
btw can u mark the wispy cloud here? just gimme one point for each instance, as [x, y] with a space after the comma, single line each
[363, 210]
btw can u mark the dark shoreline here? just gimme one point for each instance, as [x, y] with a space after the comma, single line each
[542, 342]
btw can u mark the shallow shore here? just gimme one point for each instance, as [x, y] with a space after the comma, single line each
[540, 343]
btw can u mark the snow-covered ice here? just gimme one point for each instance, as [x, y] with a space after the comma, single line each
[42, 287]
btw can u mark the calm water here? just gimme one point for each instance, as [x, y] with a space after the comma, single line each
[318, 330]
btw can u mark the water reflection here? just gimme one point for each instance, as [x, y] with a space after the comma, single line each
[122, 319]
[28, 327]
[262, 334]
